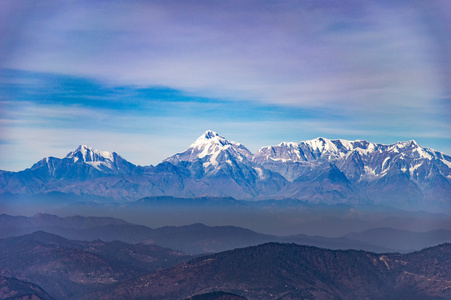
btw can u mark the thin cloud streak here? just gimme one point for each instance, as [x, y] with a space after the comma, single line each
[306, 55]
[165, 71]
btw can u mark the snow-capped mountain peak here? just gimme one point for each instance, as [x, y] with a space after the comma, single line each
[211, 144]
[322, 145]
[87, 154]
[100, 160]
[83, 161]
[283, 152]
[209, 134]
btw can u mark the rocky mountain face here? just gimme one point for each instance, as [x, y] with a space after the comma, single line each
[403, 174]
[227, 168]
[289, 271]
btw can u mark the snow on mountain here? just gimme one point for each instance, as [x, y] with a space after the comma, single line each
[312, 150]
[227, 166]
[359, 160]
[316, 170]
[330, 150]
[84, 162]
[210, 145]
[98, 159]
[284, 152]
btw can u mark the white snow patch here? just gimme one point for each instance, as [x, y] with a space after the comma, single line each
[105, 154]
[279, 159]
[347, 144]
[97, 164]
[384, 163]
[322, 145]
[93, 157]
[366, 151]
[422, 153]
[260, 173]
[213, 159]
[286, 144]
[446, 163]
[211, 143]
[412, 169]
[369, 172]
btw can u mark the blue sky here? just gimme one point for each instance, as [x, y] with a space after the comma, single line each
[146, 78]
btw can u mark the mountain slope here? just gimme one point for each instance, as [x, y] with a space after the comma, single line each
[323, 184]
[211, 145]
[288, 271]
[65, 175]
[403, 174]
[225, 168]
[357, 159]
[13, 288]
[67, 269]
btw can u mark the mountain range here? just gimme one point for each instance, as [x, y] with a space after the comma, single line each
[289, 271]
[68, 268]
[403, 175]
[46, 266]
[192, 239]
[199, 238]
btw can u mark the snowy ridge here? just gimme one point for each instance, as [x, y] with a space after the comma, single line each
[360, 159]
[339, 148]
[322, 145]
[283, 152]
[217, 156]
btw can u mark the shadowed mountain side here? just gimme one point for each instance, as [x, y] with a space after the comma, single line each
[13, 288]
[288, 271]
[193, 239]
[67, 269]
[325, 184]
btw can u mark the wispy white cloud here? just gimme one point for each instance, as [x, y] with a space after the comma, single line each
[294, 54]
[359, 69]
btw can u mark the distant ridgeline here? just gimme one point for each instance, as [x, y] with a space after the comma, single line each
[403, 174]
